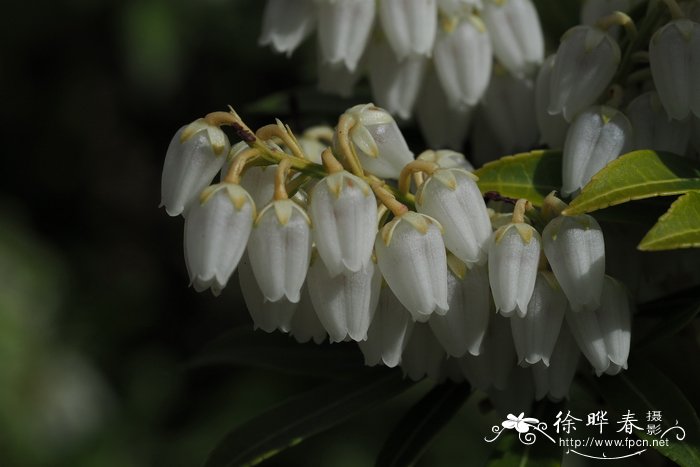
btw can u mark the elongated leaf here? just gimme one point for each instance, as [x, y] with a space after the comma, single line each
[644, 388]
[637, 175]
[303, 416]
[421, 424]
[530, 175]
[279, 352]
[678, 228]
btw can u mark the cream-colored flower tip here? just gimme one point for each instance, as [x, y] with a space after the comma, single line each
[674, 57]
[516, 34]
[343, 30]
[514, 254]
[587, 60]
[389, 332]
[343, 212]
[216, 234]
[452, 197]
[409, 26]
[535, 334]
[286, 23]
[280, 250]
[411, 255]
[195, 155]
[268, 316]
[344, 303]
[378, 142]
[462, 58]
[596, 137]
[575, 249]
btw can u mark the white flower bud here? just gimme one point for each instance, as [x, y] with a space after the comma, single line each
[508, 105]
[575, 249]
[423, 355]
[447, 159]
[585, 327]
[653, 129]
[463, 327]
[552, 127]
[343, 29]
[411, 255]
[268, 316]
[597, 136]
[442, 125]
[216, 233]
[389, 332]
[344, 215]
[535, 334]
[462, 57]
[516, 34]
[674, 57]
[514, 254]
[378, 142]
[305, 324]
[555, 380]
[195, 155]
[587, 59]
[280, 250]
[344, 303]
[286, 23]
[259, 182]
[452, 197]
[409, 26]
[395, 84]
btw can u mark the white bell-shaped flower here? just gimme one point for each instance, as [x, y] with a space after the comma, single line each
[587, 59]
[343, 210]
[674, 57]
[411, 255]
[395, 84]
[423, 355]
[575, 249]
[463, 327]
[653, 129]
[535, 334]
[280, 250]
[452, 197]
[343, 29]
[216, 233]
[378, 142]
[552, 127]
[514, 254]
[286, 23]
[195, 155]
[508, 106]
[442, 125]
[409, 26]
[462, 58]
[555, 380]
[516, 34]
[493, 367]
[259, 182]
[447, 159]
[389, 332]
[458, 7]
[596, 137]
[615, 317]
[268, 316]
[305, 325]
[344, 303]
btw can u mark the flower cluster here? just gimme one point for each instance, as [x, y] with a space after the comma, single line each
[422, 272]
[610, 87]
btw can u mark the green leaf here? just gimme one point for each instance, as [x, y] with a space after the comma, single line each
[637, 175]
[304, 416]
[279, 352]
[678, 228]
[644, 388]
[412, 435]
[530, 175]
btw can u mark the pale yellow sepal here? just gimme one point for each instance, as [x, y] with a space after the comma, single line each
[525, 231]
[364, 141]
[337, 181]
[238, 196]
[456, 265]
[685, 27]
[420, 222]
[284, 208]
[217, 138]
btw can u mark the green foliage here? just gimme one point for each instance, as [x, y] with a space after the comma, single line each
[678, 228]
[303, 416]
[644, 388]
[421, 424]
